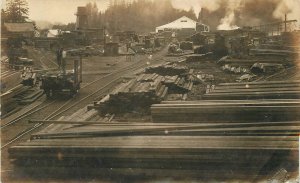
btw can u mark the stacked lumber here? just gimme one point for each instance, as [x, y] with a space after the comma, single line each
[186, 45]
[143, 91]
[198, 57]
[240, 151]
[177, 84]
[138, 93]
[268, 68]
[255, 90]
[272, 52]
[167, 70]
[8, 100]
[249, 61]
[29, 96]
[230, 111]
[19, 95]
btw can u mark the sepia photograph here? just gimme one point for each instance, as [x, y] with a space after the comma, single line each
[150, 91]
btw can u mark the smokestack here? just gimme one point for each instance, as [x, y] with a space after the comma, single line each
[285, 20]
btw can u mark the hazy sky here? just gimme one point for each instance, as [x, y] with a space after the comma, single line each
[58, 10]
[63, 10]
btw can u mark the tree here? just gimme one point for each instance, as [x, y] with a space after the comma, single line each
[17, 11]
[3, 17]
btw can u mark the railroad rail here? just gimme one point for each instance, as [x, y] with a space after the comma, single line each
[75, 103]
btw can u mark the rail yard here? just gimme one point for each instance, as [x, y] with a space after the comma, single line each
[186, 103]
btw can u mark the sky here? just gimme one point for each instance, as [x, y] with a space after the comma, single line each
[62, 11]
[59, 10]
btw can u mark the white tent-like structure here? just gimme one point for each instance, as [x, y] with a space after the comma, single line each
[183, 23]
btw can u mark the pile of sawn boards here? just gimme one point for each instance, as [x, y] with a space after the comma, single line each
[141, 92]
[250, 60]
[236, 102]
[255, 90]
[12, 100]
[240, 151]
[230, 111]
[241, 140]
[167, 70]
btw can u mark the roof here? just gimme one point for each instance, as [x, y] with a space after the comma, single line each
[19, 27]
[181, 23]
[53, 32]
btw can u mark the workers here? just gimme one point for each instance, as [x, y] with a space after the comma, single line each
[63, 60]
[59, 57]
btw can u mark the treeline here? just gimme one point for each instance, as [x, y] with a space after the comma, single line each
[137, 15]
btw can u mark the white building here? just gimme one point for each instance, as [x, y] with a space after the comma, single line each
[53, 32]
[183, 23]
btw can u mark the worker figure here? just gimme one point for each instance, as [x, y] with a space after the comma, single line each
[63, 60]
[59, 57]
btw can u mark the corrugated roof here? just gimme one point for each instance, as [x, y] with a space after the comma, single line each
[19, 27]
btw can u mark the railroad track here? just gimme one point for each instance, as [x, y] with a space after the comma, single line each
[79, 101]
[8, 74]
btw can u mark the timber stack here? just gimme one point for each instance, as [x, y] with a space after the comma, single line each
[195, 149]
[167, 70]
[254, 90]
[140, 93]
[146, 89]
[226, 111]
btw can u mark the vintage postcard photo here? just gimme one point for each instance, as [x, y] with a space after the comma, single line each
[150, 91]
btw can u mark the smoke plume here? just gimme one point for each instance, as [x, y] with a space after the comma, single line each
[231, 14]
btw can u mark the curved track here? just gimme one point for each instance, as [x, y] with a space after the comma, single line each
[55, 109]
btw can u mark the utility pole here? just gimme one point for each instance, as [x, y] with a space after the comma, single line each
[285, 21]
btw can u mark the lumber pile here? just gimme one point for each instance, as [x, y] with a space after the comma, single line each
[19, 94]
[143, 91]
[177, 84]
[273, 52]
[244, 151]
[268, 68]
[226, 111]
[9, 101]
[250, 60]
[198, 57]
[254, 90]
[186, 45]
[233, 69]
[138, 93]
[167, 70]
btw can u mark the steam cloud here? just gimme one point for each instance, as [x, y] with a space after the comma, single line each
[231, 14]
